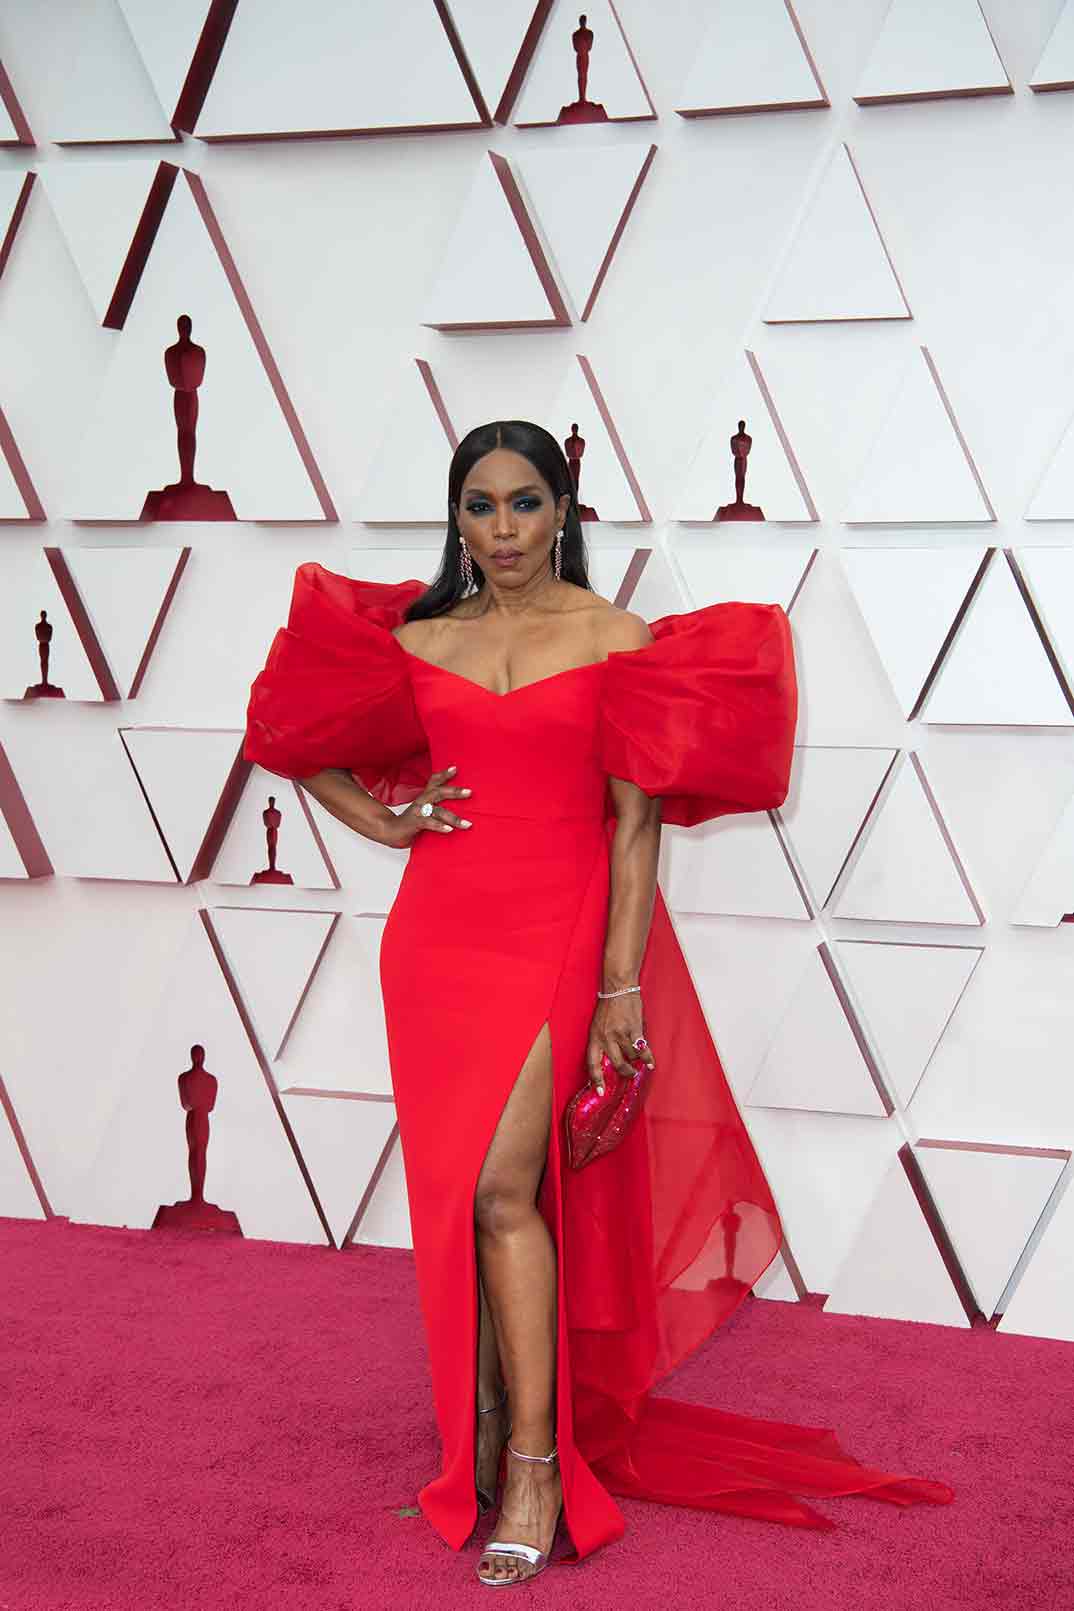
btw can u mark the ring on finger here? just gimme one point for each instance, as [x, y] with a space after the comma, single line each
[426, 810]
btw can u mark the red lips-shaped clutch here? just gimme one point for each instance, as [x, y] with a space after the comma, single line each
[596, 1122]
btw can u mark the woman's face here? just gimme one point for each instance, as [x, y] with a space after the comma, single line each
[508, 516]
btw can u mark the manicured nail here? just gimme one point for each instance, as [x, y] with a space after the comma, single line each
[453, 769]
[465, 823]
[467, 791]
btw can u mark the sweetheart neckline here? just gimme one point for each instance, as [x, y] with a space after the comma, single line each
[492, 692]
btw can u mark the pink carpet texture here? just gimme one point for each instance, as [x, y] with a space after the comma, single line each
[203, 1423]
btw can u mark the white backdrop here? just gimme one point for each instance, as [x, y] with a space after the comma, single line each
[881, 287]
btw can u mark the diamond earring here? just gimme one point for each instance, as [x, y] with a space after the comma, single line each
[467, 566]
[558, 558]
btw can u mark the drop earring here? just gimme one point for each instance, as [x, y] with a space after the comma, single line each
[558, 557]
[467, 567]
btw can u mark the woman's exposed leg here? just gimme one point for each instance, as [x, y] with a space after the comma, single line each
[517, 1260]
[492, 1424]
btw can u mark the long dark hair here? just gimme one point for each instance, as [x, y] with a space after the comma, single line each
[542, 450]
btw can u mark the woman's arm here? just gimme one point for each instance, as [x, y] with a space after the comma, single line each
[345, 798]
[633, 866]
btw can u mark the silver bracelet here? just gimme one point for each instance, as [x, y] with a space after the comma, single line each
[606, 995]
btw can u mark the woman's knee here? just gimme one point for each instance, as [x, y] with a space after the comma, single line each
[501, 1207]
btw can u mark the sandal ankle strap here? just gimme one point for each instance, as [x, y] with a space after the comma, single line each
[540, 1459]
[499, 1404]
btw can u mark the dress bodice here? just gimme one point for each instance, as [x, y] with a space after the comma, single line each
[531, 752]
[703, 716]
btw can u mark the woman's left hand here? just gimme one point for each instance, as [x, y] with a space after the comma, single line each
[616, 1025]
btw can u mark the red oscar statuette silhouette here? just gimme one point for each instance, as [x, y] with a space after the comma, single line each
[574, 447]
[197, 1094]
[740, 510]
[581, 110]
[44, 689]
[272, 816]
[186, 499]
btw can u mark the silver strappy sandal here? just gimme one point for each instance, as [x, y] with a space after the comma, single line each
[486, 1501]
[536, 1558]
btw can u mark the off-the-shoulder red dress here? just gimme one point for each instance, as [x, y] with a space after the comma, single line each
[500, 928]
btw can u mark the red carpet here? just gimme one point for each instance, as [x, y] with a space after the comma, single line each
[199, 1425]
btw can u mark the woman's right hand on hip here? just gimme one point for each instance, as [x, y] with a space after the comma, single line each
[401, 833]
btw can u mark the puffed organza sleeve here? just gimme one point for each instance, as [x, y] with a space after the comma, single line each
[704, 715]
[335, 690]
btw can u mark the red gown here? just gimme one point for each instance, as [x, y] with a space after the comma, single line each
[499, 927]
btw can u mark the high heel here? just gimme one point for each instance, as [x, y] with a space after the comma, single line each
[536, 1558]
[486, 1501]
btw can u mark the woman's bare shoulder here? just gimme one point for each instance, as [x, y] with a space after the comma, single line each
[620, 629]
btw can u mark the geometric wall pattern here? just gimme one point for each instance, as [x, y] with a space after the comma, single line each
[338, 259]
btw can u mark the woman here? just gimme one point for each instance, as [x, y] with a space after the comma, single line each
[547, 733]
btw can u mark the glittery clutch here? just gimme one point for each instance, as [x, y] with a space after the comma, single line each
[596, 1122]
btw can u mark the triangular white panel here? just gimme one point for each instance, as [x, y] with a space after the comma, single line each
[996, 670]
[18, 1199]
[753, 57]
[906, 995]
[102, 830]
[838, 266]
[12, 864]
[1049, 892]
[732, 866]
[904, 871]
[825, 1170]
[909, 598]
[776, 1284]
[244, 850]
[273, 956]
[29, 587]
[1054, 496]
[244, 444]
[989, 1201]
[9, 134]
[614, 81]
[925, 51]
[657, 591]
[1042, 1304]
[581, 198]
[815, 1060]
[18, 500]
[1049, 573]
[334, 66]
[183, 772]
[123, 590]
[338, 1041]
[166, 36]
[508, 284]
[719, 573]
[608, 566]
[407, 480]
[607, 482]
[341, 1140]
[1055, 70]
[417, 563]
[844, 696]
[492, 38]
[141, 1163]
[368, 873]
[894, 1268]
[386, 1221]
[98, 206]
[774, 480]
[919, 469]
[93, 85]
[832, 789]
